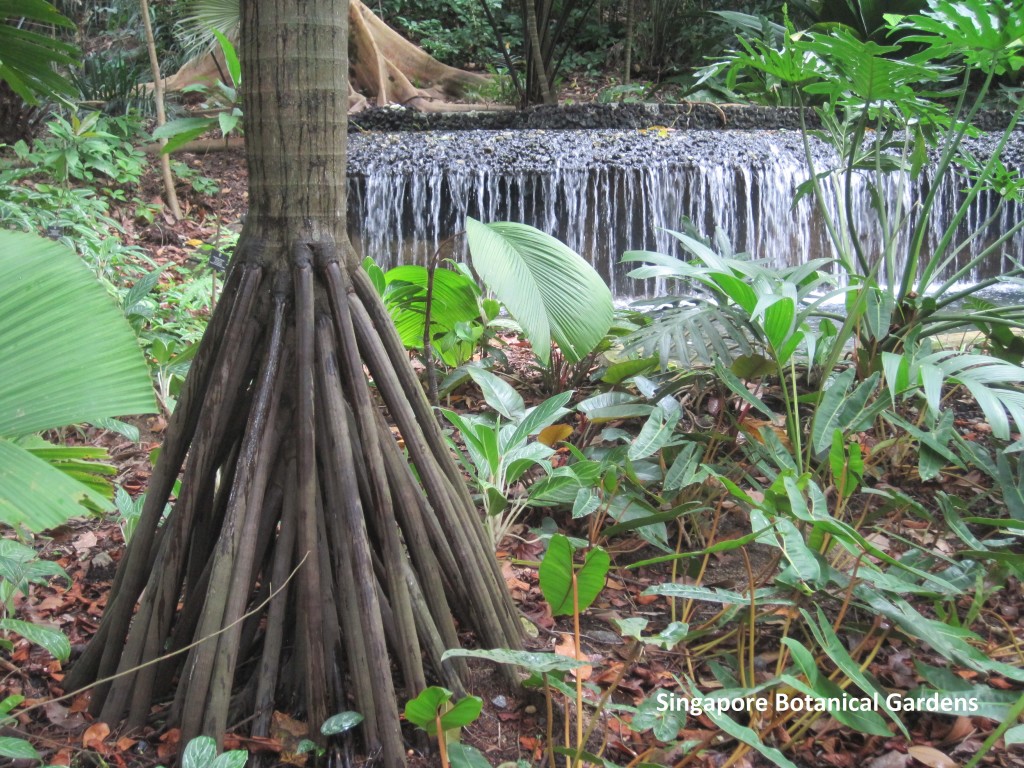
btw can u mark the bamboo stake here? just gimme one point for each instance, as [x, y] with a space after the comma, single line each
[161, 117]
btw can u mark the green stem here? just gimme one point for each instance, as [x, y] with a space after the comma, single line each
[1011, 718]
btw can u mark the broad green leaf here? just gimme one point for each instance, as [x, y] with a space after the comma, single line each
[655, 434]
[540, 416]
[235, 758]
[453, 302]
[60, 366]
[880, 306]
[200, 752]
[752, 367]
[466, 710]
[341, 722]
[36, 495]
[587, 501]
[803, 560]
[536, 663]
[686, 468]
[230, 57]
[530, 272]
[183, 130]
[842, 409]
[52, 640]
[464, 756]
[653, 715]
[619, 372]
[823, 689]
[498, 394]
[556, 571]
[17, 749]
[778, 323]
[423, 710]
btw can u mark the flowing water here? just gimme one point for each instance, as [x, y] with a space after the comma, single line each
[605, 192]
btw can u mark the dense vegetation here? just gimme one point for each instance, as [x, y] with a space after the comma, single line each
[768, 499]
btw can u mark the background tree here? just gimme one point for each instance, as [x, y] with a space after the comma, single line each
[385, 68]
[289, 464]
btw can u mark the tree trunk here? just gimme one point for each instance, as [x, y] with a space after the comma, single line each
[307, 557]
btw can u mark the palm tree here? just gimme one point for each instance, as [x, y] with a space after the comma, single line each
[308, 552]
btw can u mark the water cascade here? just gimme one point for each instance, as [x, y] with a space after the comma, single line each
[608, 191]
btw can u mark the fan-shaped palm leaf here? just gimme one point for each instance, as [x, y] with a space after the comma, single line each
[68, 356]
[546, 286]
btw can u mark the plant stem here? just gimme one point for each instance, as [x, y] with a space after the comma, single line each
[579, 657]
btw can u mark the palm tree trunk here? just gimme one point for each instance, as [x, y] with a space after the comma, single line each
[302, 561]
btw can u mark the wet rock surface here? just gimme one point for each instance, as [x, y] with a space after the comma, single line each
[686, 116]
[517, 151]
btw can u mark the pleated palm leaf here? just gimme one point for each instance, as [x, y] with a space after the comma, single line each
[68, 356]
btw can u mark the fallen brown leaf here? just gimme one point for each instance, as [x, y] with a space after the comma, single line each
[95, 735]
[931, 757]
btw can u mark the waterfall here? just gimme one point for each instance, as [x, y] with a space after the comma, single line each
[604, 192]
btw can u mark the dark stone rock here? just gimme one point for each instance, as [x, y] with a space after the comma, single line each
[686, 116]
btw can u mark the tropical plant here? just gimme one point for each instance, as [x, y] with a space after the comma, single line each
[500, 454]
[60, 369]
[223, 97]
[528, 271]
[30, 55]
[201, 752]
[87, 147]
[433, 712]
[449, 299]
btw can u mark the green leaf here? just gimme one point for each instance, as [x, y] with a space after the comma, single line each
[235, 758]
[778, 323]
[655, 434]
[465, 711]
[686, 469]
[715, 594]
[230, 57]
[464, 756]
[17, 749]
[498, 394]
[29, 58]
[341, 722]
[535, 663]
[200, 752]
[52, 640]
[619, 372]
[556, 571]
[1014, 735]
[423, 710]
[529, 272]
[833, 646]
[844, 410]
[62, 367]
[748, 736]
[37, 495]
[183, 130]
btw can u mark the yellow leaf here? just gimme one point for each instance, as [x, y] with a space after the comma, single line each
[556, 433]
[194, 243]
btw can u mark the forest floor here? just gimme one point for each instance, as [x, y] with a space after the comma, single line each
[513, 723]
